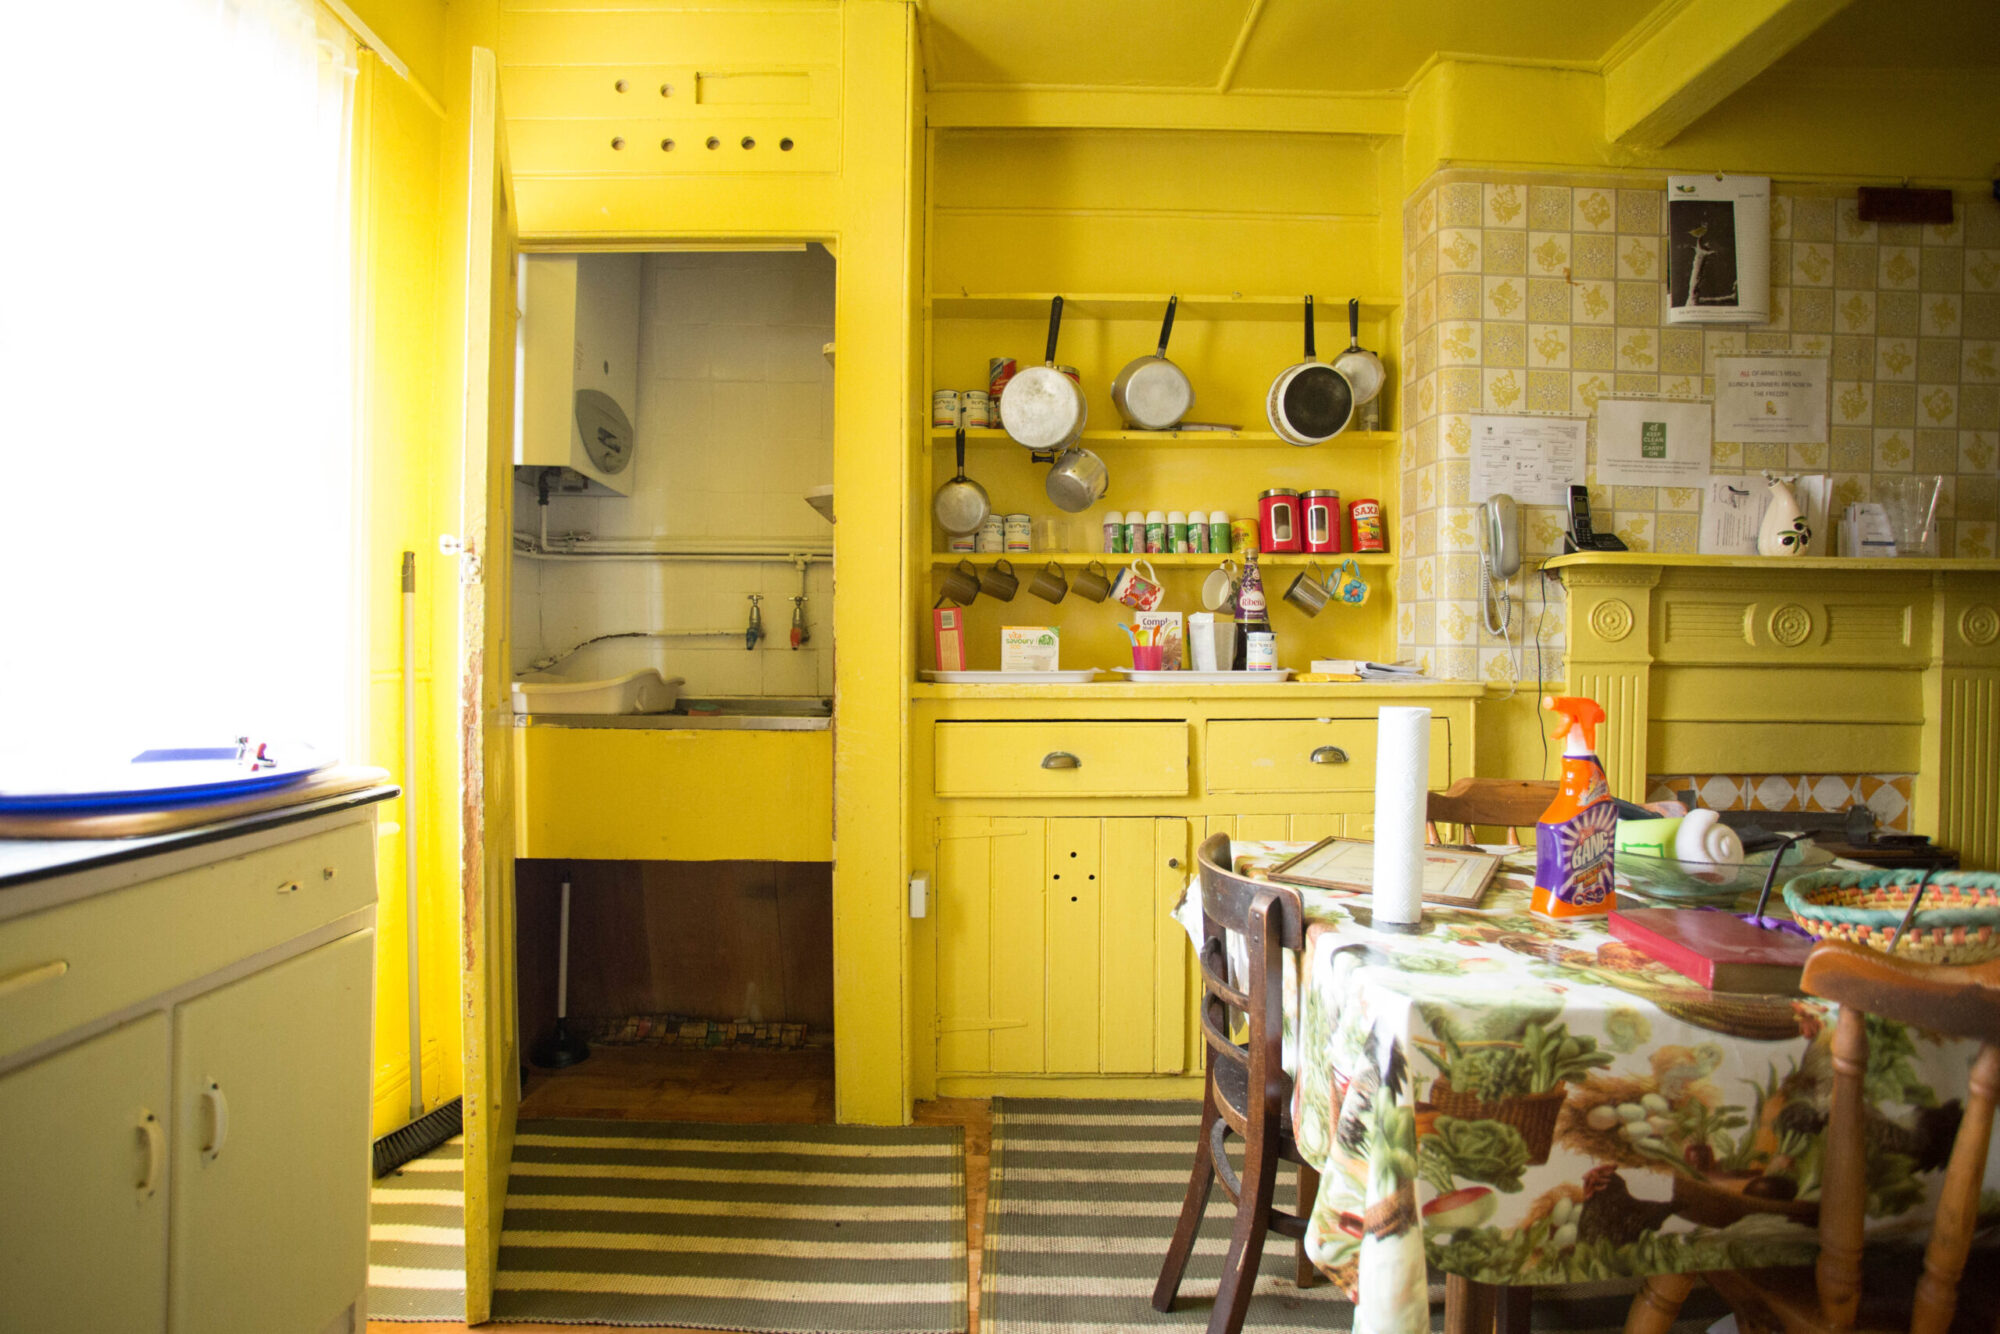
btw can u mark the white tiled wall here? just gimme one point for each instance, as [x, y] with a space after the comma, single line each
[734, 424]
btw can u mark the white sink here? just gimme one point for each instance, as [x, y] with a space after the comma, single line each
[635, 692]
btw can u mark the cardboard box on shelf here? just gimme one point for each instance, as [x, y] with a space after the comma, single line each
[1030, 648]
[948, 637]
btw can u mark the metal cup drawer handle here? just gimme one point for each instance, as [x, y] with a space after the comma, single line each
[1329, 755]
[1061, 759]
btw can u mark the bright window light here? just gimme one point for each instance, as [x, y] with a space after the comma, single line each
[177, 544]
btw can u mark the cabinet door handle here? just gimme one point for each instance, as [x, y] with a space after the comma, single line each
[149, 1130]
[1329, 755]
[32, 976]
[1061, 759]
[218, 1120]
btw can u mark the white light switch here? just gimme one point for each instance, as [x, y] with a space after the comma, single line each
[920, 893]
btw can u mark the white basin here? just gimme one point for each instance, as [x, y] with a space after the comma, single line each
[635, 692]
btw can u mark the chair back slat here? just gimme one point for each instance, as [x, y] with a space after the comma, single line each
[1269, 919]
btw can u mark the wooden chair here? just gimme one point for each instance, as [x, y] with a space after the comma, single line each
[1247, 1091]
[1962, 1002]
[1499, 803]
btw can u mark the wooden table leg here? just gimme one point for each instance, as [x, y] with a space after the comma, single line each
[1468, 1306]
[1658, 1304]
[1517, 1311]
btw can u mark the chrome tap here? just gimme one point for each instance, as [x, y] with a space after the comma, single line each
[800, 634]
[755, 630]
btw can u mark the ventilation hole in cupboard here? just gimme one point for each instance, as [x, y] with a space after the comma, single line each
[619, 86]
[666, 90]
[748, 142]
[666, 145]
[714, 142]
[617, 142]
[784, 145]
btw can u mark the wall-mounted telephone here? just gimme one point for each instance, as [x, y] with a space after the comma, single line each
[1581, 536]
[1499, 560]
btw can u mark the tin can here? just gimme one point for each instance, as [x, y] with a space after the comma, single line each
[992, 535]
[1156, 532]
[1218, 532]
[978, 407]
[1197, 532]
[944, 407]
[1260, 651]
[1071, 372]
[1135, 533]
[999, 370]
[1368, 531]
[1114, 534]
[961, 542]
[1177, 537]
[1322, 520]
[1278, 520]
[1242, 535]
[1017, 530]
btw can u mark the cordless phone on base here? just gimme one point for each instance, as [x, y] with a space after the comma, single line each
[1581, 537]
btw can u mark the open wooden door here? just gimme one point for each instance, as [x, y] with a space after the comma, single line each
[492, 1063]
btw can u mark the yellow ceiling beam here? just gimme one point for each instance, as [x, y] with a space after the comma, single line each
[1165, 109]
[1694, 57]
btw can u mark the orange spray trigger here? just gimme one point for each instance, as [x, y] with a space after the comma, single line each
[1583, 715]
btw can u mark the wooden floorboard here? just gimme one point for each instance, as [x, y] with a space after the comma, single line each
[743, 1087]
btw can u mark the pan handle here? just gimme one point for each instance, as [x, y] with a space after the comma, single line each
[1167, 325]
[1055, 323]
[1309, 330]
[1353, 322]
[961, 453]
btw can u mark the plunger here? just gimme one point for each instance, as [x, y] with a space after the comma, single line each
[561, 1049]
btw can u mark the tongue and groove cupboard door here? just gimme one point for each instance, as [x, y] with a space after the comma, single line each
[1055, 951]
[492, 1066]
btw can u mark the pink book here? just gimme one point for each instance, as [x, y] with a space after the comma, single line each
[1717, 949]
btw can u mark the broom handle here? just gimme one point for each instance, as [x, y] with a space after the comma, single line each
[410, 833]
[562, 958]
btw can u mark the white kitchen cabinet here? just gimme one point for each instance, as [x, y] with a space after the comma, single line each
[270, 1199]
[184, 1080]
[83, 1187]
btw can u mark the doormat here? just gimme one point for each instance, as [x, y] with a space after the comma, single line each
[673, 1030]
[416, 1238]
[779, 1229]
[1082, 1203]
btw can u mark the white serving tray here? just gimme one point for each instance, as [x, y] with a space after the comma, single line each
[1259, 677]
[1077, 677]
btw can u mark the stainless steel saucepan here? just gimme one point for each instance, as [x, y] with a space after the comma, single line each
[1151, 393]
[1362, 368]
[1077, 481]
[960, 505]
[1041, 407]
[1310, 402]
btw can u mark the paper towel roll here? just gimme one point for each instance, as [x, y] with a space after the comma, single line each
[1402, 781]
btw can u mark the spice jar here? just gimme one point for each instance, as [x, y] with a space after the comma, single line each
[1278, 520]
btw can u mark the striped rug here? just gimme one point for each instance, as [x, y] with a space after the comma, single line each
[1082, 1203]
[416, 1239]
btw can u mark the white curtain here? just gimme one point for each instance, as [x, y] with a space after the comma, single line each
[177, 543]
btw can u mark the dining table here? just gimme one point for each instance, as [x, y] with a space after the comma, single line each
[1519, 1102]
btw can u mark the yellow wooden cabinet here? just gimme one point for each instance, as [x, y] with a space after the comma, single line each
[184, 1082]
[1065, 758]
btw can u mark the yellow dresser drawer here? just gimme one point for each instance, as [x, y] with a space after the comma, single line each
[1306, 754]
[1062, 759]
[68, 965]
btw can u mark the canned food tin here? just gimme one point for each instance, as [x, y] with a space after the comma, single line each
[999, 370]
[992, 534]
[1018, 532]
[1322, 520]
[1368, 531]
[978, 407]
[961, 542]
[944, 407]
[1243, 534]
[1071, 372]
[1260, 651]
[1278, 520]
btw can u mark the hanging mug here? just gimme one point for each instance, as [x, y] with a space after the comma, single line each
[1141, 592]
[1093, 582]
[1049, 585]
[1309, 592]
[1218, 591]
[961, 584]
[1352, 588]
[998, 581]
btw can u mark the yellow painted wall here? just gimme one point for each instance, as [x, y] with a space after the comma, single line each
[398, 140]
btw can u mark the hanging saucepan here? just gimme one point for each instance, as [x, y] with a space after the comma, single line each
[960, 505]
[1311, 402]
[1077, 480]
[1362, 368]
[1041, 407]
[1151, 393]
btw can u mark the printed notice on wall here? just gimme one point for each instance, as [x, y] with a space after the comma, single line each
[1718, 249]
[1771, 398]
[1652, 442]
[1533, 459]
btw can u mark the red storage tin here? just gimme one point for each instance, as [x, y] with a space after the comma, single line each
[1322, 520]
[1278, 526]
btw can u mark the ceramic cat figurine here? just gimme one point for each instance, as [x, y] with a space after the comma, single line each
[1783, 531]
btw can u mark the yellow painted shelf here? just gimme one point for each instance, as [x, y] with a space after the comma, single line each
[1115, 688]
[981, 435]
[1852, 564]
[1329, 312]
[943, 559]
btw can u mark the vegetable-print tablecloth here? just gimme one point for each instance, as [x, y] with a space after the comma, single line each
[1524, 1101]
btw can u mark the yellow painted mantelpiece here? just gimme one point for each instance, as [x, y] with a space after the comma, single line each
[1743, 664]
